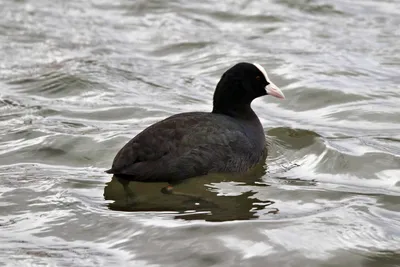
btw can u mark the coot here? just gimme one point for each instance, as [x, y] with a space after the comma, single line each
[230, 139]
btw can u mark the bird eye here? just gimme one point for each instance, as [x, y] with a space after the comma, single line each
[258, 78]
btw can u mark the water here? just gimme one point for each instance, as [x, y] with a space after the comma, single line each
[78, 79]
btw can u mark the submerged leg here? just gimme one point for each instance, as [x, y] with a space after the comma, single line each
[169, 190]
[130, 196]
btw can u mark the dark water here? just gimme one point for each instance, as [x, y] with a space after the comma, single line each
[78, 79]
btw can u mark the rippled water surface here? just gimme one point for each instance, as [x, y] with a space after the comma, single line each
[78, 79]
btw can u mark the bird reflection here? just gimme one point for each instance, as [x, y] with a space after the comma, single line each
[198, 199]
[195, 199]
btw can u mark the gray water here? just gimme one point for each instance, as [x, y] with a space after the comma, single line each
[78, 79]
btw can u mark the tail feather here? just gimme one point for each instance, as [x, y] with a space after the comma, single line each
[110, 171]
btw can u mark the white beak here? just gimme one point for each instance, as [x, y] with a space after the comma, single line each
[274, 90]
[271, 88]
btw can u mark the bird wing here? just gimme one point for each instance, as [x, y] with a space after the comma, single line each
[179, 147]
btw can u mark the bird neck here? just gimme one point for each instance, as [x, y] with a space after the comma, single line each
[242, 111]
[231, 100]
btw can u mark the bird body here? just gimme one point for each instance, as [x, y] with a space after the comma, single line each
[230, 139]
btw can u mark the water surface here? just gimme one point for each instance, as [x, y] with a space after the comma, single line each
[78, 79]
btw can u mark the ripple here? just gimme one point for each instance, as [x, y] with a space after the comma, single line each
[80, 79]
[66, 80]
[359, 233]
